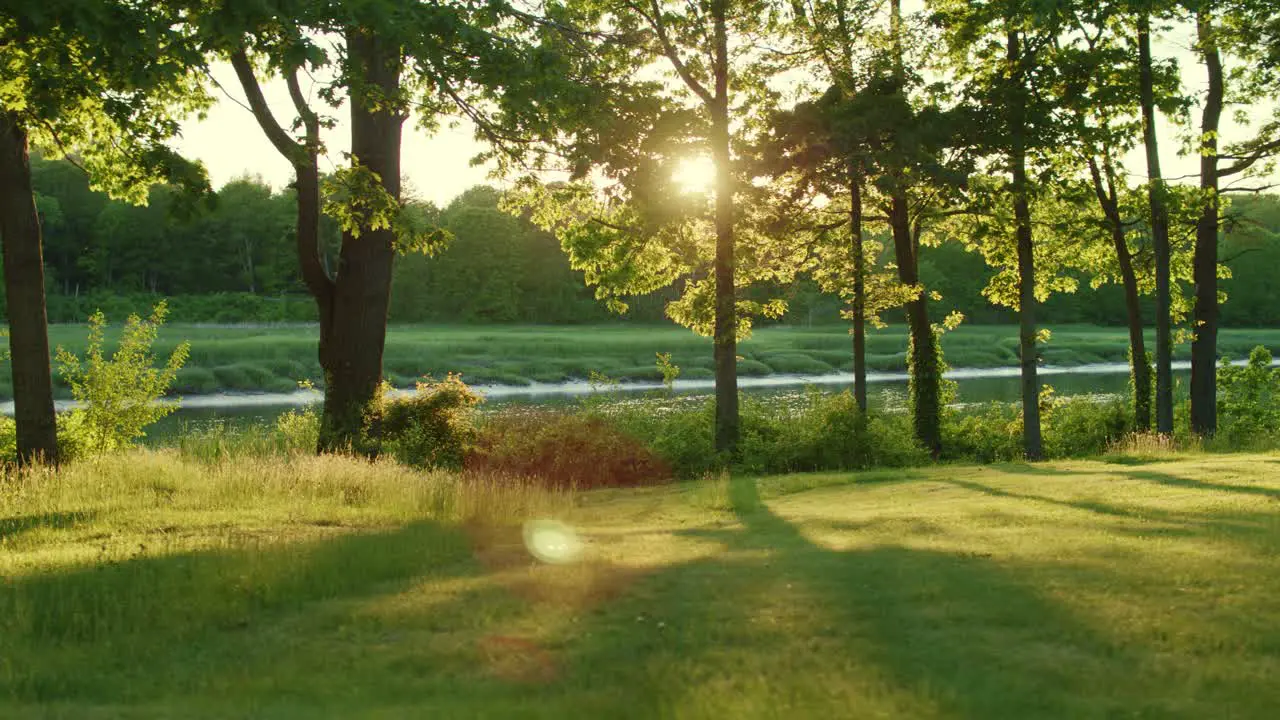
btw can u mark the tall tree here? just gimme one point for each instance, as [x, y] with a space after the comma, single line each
[1157, 198]
[1003, 51]
[397, 58]
[73, 79]
[714, 90]
[1231, 27]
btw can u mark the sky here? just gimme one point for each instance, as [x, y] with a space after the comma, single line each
[438, 166]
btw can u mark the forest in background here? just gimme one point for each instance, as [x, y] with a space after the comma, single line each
[231, 258]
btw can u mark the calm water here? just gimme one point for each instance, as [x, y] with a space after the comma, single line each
[975, 386]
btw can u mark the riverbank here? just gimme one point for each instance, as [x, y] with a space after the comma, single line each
[149, 586]
[273, 359]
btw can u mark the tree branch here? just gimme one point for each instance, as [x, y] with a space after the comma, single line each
[1247, 161]
[668, 49]
[287, 146]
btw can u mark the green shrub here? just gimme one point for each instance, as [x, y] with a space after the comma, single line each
[827, 432]
[681, 436]
[119, 395]
[1076, 427]
[432, 428]
[1249, 400]
[988, 433]
[8, 440]
[299, 430]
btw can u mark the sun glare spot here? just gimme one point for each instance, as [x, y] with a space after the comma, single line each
[552, 542]
[695, 174]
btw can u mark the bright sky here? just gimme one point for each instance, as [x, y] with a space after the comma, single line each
[438, 166]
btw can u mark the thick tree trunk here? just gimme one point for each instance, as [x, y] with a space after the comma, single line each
[362, 291]
[24, 289]
[859, 291]
[1204, 343]
[1140, 366]
[1029, 356]
[925, 381]
[1159, 231]
[726, 311]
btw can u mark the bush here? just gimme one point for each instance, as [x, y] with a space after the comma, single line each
[8, 440]
[827, 432]
[989, 433]
[1249, 400]
[1082, 426]
[681, 436]
[299, 430]
[565, 450]
[119, 395]
[432, 428]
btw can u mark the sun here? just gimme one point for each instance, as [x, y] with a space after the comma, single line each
[695, 174]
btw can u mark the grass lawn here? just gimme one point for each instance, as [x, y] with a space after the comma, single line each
[146, 586]
[275, 358]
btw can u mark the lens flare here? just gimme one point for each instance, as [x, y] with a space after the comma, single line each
[552, 542]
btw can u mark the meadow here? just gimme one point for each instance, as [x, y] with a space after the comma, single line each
[275, 358]
[152, 585]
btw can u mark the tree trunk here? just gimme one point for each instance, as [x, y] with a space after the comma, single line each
[34, 415]
[1029, 356]
[726, 311]
[923, 362]
[859, 291]
[924, 366]
[1140, 366]
[1159, 232]
[1204, 343]
[362, 291]
[306, 166]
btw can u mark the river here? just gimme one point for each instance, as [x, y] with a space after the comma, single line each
[975, 385]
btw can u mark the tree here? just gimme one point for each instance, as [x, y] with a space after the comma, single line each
[881, 134]
[638, 234]
[1221, 25]
[489, 63]
[79, 76]
[1003, 50]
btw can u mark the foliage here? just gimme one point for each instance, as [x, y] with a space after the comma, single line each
[8, 440]
[580, 451]
[433, 427]
[670, 371]
[827, 432]
[119, 394]
[1249, 398]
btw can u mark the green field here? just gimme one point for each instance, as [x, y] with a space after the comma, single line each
[275, 358]
[146, 586]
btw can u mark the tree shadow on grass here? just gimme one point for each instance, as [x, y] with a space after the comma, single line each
[1189, 484]
[125, 629]
[12, 527]
[888, 630]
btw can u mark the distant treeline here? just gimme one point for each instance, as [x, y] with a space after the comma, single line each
[232, 259]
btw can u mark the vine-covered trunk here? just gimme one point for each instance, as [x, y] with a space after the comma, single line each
[1032, 444]
[362, 290]
[1204, 342]
[859, 292]
[726, 311]
[1159, 231]
[37, 430]
[924, 364]
[1139, 364]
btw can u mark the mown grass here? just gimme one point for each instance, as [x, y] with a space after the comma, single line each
[147, 586]
[276, 358]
